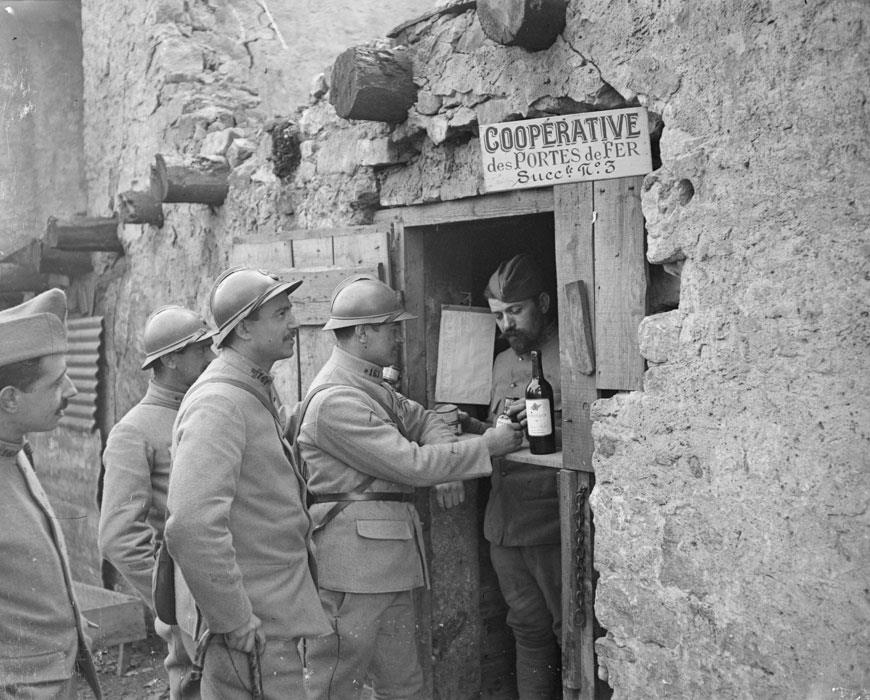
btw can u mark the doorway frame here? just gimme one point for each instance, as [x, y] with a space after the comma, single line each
[601, 280]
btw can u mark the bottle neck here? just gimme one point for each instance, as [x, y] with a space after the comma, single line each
[536, 365]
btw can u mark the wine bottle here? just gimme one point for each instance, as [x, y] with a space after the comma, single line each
[540, 416]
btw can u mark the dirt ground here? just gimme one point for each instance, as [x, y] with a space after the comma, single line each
[142, 678]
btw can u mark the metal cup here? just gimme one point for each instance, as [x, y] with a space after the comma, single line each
[449, 413]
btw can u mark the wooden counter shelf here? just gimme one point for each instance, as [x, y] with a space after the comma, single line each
[523, 455]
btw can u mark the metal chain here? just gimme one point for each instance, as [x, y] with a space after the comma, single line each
[579, 507]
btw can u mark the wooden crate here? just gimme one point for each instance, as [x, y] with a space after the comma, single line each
[120, 618]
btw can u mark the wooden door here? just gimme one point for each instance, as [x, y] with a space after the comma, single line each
[321, 258]
[602, 281]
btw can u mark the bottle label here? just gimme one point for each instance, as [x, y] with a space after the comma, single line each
[538, 416]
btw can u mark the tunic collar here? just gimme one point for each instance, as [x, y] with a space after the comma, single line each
[248, 368]
[356, 366]
[164, 395]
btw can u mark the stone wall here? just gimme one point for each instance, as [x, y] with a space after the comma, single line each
[41, 171]
[731, 507]
[188, 78]
[733, 537]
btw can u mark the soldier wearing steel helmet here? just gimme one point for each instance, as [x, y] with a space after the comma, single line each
[238, 528]
[136, 459]
[365, 447]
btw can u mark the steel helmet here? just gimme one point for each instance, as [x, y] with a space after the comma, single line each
[171, 328]
[363, 299]
[240, 290]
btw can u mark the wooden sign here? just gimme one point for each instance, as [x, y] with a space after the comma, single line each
[566, 148]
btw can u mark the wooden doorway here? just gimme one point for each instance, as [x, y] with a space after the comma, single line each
[592, 236]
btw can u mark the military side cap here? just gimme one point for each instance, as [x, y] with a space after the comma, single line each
[515, 280]
[34, 328]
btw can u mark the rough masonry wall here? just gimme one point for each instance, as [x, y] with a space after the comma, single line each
[41, 171]
[732, 525]
[185, 78]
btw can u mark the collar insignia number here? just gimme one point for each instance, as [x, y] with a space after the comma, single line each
[263, 377]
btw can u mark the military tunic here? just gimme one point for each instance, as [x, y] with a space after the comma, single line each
[523, 506]
[371, 555]
[238, 527]
[41, 633]
[375, 546]
[522, 525]
[133, 510]
[135, 486]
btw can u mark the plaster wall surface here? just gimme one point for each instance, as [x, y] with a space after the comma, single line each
[733, 535]
[41, 171]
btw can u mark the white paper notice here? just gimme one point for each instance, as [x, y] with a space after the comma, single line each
[465, 345]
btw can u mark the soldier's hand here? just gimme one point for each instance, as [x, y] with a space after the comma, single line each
[450, 494]
[503, 439]
[242, 638]
[518, 412]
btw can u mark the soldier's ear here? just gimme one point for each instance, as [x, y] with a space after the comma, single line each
[544, 302]
[242, 330]
[170, 360]
[9, 396]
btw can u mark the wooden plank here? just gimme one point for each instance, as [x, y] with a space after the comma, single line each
[118, 617]
[406, 257]
[574, 261]
[312, 252]
[265, 254]
[303, 233]
[286, 374]
[580, 328]
[316, 347]
[366, 249]
[574, 244]
[620, 283]
[411, 280]
[490, 206]
[578, 614]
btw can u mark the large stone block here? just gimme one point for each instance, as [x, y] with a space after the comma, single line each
[659, 336]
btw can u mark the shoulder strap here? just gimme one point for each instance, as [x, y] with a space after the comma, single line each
[268, 405]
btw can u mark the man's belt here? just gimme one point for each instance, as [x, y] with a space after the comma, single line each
[401, 496]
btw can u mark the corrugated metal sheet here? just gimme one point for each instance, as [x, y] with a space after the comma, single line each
[83, 362]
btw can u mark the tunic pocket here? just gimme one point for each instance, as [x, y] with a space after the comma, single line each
[384, 529]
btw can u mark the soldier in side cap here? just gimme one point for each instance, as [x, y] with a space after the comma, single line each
[238, 528]
[42, 639]
[365, 448]
[522, 514]
[133, 511]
